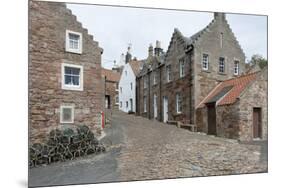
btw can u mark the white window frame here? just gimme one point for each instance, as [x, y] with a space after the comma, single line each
[236, 67]
[205, 61]
[222, 65]
[67, 45]
[72, 114]
[181, 67]
[144, 104]
[178, 96]
[81, 77]
[168, 73]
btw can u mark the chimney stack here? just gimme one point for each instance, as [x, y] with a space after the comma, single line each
[219, 16]
[128, 55]
[150, 50]
[158, 50]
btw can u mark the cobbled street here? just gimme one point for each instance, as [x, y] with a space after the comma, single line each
[141, 149]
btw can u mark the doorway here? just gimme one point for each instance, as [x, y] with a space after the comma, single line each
[257, 128]
[107, 101]
[131, 105]
[212, 124]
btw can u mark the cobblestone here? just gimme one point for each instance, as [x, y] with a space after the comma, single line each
[155, 150]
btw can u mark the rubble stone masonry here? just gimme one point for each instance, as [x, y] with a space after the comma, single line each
[47, 36]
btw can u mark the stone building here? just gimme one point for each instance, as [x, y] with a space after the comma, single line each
[236, 108]
[64, 71]
[188, 71]
[111, 94]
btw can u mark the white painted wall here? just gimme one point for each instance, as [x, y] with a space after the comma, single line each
[127, 93]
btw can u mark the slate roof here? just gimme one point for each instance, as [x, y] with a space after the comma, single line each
[228, 91]
[110, 75]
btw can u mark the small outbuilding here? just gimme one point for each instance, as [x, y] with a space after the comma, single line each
[236, 108]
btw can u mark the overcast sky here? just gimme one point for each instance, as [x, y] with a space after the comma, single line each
[115, 27]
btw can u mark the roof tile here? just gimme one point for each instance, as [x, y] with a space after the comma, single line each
[238, 86]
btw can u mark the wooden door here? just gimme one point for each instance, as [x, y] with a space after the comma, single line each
[257, 128]
[212, 126]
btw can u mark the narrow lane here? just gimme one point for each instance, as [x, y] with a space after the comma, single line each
[141, 149]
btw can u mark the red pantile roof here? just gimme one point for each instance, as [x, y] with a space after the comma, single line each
[228, 91]
[136, 65]
[110, 75]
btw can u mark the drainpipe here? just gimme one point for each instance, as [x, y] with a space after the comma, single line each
[190, 90]
[160, 94]
[148, 95]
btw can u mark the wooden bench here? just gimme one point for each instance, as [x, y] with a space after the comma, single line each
[180, 124]
[192, 127]
[177, 123]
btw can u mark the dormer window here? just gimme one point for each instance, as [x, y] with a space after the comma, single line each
[168, 73]
[181, 68]
[73, 42]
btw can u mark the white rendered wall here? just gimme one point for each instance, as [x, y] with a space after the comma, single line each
[127, 92]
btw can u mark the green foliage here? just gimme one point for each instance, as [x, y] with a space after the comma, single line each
[258, 60]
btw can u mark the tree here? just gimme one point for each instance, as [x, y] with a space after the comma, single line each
[259, 60]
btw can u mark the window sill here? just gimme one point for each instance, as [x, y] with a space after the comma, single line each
[79, 51]
[66, 123]
[222, 73]
[64, 87]
[207, 71]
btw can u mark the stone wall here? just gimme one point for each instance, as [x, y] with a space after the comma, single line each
[227, 120]
[112, 91]
[256, 96]
[209, 42]
[236, 120]
[48, 24]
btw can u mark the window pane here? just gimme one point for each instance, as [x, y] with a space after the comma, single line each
[73, 36]
[67, 80]
[67, 114]
[73, 41]
[72, 70]
[75, 80]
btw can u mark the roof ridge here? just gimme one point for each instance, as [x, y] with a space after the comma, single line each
[241, 76]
